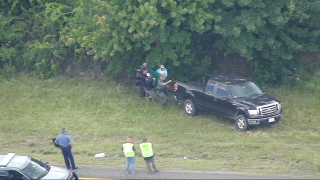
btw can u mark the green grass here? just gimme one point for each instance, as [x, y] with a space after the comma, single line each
[100, 115]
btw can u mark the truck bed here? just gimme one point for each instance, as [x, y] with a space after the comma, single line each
[190, 86]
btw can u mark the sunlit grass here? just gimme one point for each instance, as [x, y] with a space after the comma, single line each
[100, 115]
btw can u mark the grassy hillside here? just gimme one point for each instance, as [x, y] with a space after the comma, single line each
[100, 115]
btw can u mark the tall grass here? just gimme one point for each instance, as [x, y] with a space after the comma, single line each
[100, 115]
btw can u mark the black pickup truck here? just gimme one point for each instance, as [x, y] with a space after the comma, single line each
[232, 97]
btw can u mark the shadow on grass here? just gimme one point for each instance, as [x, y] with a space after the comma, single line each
[231, 122]
[214, 117]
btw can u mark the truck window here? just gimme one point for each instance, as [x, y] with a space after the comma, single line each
[4, 175]
[210, 87]
[245, 90]
[222, 92]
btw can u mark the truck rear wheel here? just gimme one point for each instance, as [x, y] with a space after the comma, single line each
[242, 123]
[189, 107]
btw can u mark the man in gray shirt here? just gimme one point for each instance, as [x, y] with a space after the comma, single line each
[160, 89]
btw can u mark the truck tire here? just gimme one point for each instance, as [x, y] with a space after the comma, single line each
[242, 123]
[190, 108]
[75, 176]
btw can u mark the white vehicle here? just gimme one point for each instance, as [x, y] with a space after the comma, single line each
[26, 168]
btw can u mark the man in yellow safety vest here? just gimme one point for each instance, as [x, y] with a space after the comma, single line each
[147, 154]
[128, 149]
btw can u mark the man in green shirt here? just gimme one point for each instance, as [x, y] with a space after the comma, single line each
[145, 69]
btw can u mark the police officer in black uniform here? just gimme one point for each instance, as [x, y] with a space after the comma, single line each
[140, 80]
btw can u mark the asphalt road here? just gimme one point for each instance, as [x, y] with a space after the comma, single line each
[172, 174]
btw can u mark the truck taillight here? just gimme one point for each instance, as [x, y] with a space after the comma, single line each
[175, 87]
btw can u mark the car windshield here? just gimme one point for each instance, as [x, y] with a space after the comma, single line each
[245, 90]
[36, 169]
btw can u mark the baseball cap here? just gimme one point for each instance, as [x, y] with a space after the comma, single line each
[144, 139]
[162, 66]
[63, 129]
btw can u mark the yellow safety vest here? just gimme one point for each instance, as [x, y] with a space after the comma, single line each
[128, 149]
[146, 149]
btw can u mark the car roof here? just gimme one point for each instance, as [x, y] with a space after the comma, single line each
[229, 79]
[17, 162]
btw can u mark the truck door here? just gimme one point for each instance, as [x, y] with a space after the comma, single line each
[222, 101]
[208, 95]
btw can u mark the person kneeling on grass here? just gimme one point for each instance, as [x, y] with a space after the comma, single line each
[149, 85]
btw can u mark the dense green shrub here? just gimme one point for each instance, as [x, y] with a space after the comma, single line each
[189, 37]
[8, 71]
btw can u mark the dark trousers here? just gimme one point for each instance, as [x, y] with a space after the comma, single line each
[67, 155]
[152, 161]
[163, 97]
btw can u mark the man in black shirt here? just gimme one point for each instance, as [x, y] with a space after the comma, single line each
[149, 87]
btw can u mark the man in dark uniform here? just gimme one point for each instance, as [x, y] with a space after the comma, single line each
[149, 87]
[145, 69]
[65, 143]
[140, 81]
[144, 65]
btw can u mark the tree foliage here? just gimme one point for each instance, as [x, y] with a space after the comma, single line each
[269, 34]
[188, 36]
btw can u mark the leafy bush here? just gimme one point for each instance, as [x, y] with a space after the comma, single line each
[8, 71]
[45, 37]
